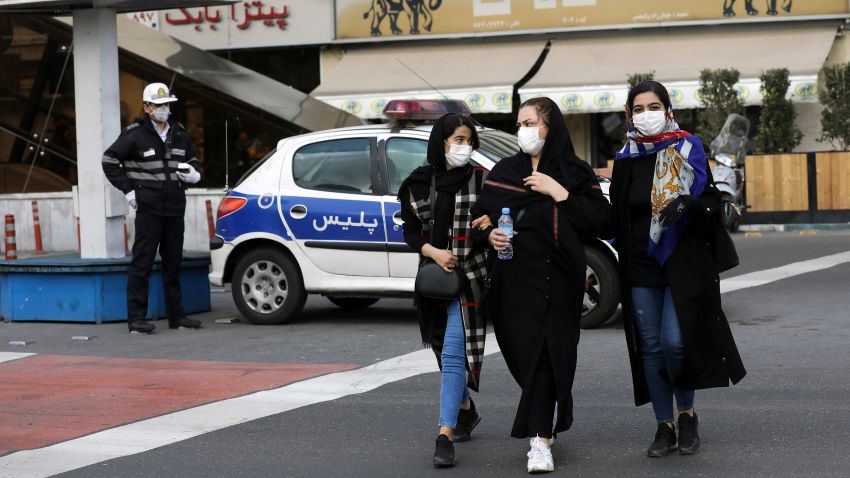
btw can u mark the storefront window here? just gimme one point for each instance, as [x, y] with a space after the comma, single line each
[37, 112]
[37, 134]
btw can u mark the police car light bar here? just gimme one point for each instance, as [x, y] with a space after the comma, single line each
[423, 109]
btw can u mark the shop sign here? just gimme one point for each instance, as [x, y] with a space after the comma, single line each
[246, 24]
[360, 19]
[683, 94]
[371, 106]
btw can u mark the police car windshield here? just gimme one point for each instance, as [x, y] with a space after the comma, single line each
[496, 145]
[255, 166]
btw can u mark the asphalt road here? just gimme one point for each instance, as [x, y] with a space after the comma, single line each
[788, 417]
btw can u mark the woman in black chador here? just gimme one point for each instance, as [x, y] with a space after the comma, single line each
[535, 298]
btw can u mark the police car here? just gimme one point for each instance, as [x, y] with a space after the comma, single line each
[319, 215]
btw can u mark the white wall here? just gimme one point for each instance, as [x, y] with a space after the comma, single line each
[808, 120]
[58, 228]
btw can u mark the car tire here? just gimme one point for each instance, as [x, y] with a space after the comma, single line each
[602, 294]
[353, 303]
[267, 287]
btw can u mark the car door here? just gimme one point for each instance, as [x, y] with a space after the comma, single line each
[401, 154]
[333, 207]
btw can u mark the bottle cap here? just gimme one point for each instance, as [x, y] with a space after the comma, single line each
[506, 210]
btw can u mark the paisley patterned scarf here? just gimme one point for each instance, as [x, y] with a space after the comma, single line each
[680, 168]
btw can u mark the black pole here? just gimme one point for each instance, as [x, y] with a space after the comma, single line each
[528, 76]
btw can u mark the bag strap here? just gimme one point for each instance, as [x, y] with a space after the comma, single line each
[431, 197]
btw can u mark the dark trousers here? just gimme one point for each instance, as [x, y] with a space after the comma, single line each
[543, 397]
[152, 232]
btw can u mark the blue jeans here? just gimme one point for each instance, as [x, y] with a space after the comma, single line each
[661, 346]
[453, 389]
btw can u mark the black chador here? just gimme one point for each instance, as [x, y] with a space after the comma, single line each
[535, 299]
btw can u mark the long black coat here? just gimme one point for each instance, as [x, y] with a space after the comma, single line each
[711, 357]
[535, 298]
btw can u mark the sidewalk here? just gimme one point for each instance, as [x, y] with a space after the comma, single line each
[793, 227]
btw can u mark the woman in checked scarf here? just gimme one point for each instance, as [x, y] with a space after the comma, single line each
[664, 209]
[454, 329]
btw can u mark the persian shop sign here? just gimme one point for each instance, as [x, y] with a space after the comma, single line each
[372, 18]
[246, 24]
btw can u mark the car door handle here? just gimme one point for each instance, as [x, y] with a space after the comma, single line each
[397, 218]
[298, 211]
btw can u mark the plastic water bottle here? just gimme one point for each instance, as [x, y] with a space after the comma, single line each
[506, 224]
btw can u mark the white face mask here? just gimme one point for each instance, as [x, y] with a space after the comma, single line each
[650, 123]
[161, 114]
[458, 155]
[529, 140]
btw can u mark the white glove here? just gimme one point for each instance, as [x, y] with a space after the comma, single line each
[131, 199]
[191, 177]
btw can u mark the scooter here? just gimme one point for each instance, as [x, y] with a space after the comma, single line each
[729, 151]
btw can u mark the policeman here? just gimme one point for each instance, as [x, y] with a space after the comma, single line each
[151, 162]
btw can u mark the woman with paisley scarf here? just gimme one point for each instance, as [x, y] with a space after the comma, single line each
[664, 209]
[454, 329]
[535, 298]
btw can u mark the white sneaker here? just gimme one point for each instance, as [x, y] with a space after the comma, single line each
[540, 456]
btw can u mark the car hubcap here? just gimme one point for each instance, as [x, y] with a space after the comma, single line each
[592, 292]
[264, 287]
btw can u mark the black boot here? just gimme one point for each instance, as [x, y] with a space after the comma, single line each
[444, 454]
[665, 441]
[141, 326]
[184, 322]
[467, 420]
[688, 434]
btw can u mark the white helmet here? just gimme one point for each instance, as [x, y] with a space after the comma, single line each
[157, 93]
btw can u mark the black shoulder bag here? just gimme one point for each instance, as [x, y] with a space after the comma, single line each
[433, 281]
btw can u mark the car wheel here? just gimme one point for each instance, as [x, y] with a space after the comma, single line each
[602, 289]
[353, 303]
[267, 287]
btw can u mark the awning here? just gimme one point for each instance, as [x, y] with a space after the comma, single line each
[588, 74]
[230, 79]
[360, 80]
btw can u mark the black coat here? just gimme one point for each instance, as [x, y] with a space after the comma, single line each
[711, 357]
[535, 298]
[139, 160]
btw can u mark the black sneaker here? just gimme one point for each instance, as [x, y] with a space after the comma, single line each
[467, 420]
[665, 441]
[688, 434]
[141, 326]
[184, 322]
[444, 454]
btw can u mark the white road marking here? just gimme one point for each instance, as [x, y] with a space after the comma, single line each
[9, 356]
[159, 431]
[766, 276]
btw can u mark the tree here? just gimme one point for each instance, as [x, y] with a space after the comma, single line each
[636, 78]
[720, 98]
[777, 132]
[835, 98]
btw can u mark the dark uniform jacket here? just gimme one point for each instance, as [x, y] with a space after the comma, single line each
[139, 160]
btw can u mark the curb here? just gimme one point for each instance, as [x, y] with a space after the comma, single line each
[794, 227]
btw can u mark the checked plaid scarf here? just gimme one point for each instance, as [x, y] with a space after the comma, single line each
[474, 265]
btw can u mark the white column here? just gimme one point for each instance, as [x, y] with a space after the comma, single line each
[102, 207]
